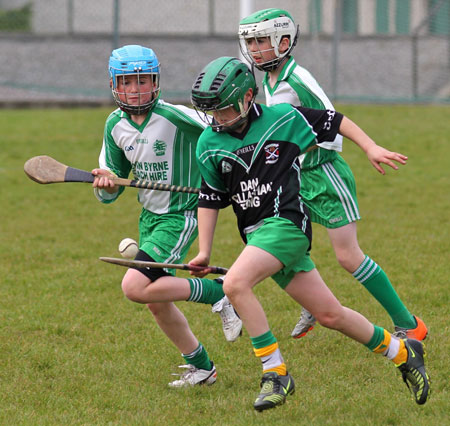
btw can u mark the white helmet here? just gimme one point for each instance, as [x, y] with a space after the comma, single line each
[272, 23]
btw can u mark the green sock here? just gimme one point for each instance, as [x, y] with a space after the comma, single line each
[204, 290]
[377, 338]
[198, 358]
[374, 279]
[265, 339]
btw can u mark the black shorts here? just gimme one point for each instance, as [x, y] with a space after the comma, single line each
[152, 273]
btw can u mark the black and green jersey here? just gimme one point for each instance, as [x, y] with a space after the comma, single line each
[258, 170]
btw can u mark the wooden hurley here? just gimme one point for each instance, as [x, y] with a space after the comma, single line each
[44, 169]
[145, 264]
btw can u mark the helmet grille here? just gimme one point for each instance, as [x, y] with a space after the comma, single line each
[217, 82]
[198, 82]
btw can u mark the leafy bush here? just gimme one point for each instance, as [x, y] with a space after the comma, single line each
[16, 19]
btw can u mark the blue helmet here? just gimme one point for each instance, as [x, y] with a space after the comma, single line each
[134, 60]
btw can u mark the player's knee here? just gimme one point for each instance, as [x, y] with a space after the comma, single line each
[128, 290]
[135, 286]
[330, 319]
[232, 287]
[131, 290]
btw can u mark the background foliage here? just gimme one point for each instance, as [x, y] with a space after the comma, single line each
[16, 19]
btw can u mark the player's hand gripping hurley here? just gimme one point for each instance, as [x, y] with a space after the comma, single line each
[44, 169]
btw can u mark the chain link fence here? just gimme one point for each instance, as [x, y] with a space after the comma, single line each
[359, 50]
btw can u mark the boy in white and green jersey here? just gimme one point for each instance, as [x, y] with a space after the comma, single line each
[157, 141]
[161, 149]
[328, 188]
[296, 86]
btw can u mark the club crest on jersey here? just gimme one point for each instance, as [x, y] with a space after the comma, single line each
[272, 153]
[226, 167]
[159, 147]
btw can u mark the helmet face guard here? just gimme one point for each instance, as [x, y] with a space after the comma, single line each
[274, 24]
[136, 61]
[222, 84]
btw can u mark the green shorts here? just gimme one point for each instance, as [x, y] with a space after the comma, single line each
[329, 191]
[167, 237]
[283, 239]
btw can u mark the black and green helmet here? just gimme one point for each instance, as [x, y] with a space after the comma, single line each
[223, 83]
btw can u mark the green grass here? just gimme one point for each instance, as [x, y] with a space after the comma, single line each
[73, 350]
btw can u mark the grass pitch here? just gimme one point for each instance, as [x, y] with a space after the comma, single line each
[73, 350]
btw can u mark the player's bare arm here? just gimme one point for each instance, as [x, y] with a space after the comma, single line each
[375, 153]
[207, 219]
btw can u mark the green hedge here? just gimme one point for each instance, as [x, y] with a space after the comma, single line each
[16, 20]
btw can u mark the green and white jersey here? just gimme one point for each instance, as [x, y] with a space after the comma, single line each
[295, 85]
[161, 149]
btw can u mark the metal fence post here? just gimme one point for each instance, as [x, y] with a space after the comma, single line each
[70, 17]
[415, 49]
[415, 66]
[115, 34]
[211, 14]
[335, 48]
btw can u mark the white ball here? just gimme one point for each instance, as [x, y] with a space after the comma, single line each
[128, 248]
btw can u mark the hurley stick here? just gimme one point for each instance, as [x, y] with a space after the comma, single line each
[145, 264]
[44, 169]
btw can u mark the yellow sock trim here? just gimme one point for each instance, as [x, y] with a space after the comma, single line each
[281, 370]
[267, 350]
[402, 355]
[384, 344]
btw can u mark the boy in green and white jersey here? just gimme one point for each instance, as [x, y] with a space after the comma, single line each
[266, 39]
[157, 141]
[249, 158]
[160, 149]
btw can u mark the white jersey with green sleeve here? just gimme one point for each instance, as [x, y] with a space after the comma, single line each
[161, 149]
[296, 85]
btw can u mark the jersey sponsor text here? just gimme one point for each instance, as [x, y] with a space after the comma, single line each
[151, 171]
[251, 193]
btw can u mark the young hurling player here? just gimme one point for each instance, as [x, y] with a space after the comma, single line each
[157, 141]
[248, 158]
[266, 39]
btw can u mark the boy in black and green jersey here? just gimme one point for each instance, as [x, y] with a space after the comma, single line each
[267, 38]
[248, 158]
